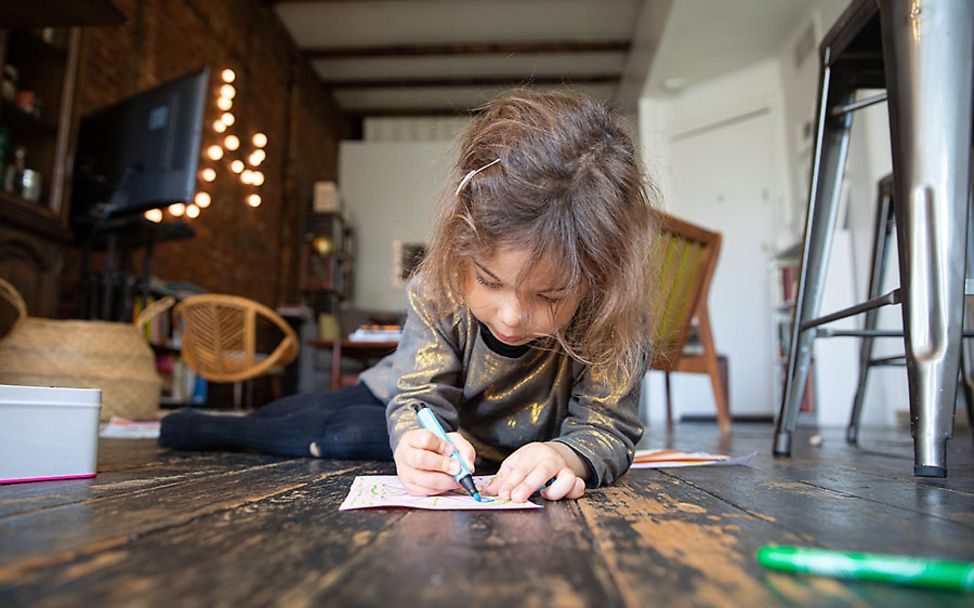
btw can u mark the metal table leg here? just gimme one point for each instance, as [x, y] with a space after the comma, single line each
[882, 230]
[928, 54]
[831, 143]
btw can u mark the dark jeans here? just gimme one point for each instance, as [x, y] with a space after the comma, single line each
[345, 424]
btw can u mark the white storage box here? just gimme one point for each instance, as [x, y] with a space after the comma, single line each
[48, 433]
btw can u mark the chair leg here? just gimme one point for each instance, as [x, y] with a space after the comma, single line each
[713, 369]
[669, 406]
[832, 143]
[237, 395]
[877, 271]
[928, 50]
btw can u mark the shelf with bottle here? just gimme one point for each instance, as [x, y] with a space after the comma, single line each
[784, 269]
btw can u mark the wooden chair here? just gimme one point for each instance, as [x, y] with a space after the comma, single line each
[219, 339]
[687, 256]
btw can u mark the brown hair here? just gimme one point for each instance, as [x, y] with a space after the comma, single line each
[568, 188]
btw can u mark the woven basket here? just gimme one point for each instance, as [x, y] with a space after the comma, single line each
[113, 357]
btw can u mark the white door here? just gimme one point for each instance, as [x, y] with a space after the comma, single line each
[722, 179]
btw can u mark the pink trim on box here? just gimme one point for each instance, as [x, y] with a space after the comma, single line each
[27, 479]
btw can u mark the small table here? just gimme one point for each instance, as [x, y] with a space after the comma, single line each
[362, 351]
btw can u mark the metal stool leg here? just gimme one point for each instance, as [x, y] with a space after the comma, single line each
[831, 141]
[928, 52]
[881, 234]
[967, 350]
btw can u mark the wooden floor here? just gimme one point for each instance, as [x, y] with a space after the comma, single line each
[162, 528]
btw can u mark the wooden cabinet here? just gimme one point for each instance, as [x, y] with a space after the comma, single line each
[39, 75]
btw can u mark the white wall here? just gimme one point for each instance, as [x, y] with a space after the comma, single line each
[789, 91]
[390, 190]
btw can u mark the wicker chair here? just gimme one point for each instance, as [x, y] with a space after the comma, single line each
[219, 340]
[688, 257]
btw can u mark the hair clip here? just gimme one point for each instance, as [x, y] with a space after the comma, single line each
[469, 176]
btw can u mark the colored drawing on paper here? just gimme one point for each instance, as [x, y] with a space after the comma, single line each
[386, 491]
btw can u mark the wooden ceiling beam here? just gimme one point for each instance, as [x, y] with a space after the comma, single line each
[464, 48]
[410, 112]
[507, 81]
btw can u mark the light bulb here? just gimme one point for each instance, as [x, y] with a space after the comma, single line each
[228, 91]
[215, 152]
[228, 75]
[218, 126]
[257, 178]
[237, 166]
[260, 140]
[224, 103]
[208, 174]
[247, 177]
[253, 200]
[202, 199]
[232, 142]
[154, 215]
[192, 211]
[177, 209]
[257, 157]
[227, 118]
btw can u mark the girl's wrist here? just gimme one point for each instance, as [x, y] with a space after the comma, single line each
[571, 458]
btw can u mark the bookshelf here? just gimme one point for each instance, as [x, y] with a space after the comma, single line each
[783, 276]
[327, 261]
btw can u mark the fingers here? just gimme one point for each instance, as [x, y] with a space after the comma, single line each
[566, 485]
[534, 480]
[465, 448]
[424, 463]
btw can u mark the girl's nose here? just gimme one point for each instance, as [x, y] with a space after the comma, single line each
[510, 312]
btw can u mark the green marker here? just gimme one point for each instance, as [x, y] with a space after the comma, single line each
[899, 569]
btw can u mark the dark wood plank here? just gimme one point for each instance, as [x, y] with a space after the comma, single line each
[53, 535]
[250, 554]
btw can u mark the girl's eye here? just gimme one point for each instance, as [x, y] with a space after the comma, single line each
[550, 300]
[486, 283]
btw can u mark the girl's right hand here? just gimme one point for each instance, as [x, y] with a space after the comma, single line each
[424, 463]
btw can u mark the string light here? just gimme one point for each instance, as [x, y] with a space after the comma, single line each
[192, 212]
[177, 209]
[225, 94]
[154, 215]
[202, 200]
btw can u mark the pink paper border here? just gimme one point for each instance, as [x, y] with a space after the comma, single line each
[29, 479]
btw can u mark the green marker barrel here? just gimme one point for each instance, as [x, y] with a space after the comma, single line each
[902, 570]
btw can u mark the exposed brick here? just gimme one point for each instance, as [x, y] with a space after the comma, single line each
[237, 250]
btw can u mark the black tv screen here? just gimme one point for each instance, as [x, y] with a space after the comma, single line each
[141, 153]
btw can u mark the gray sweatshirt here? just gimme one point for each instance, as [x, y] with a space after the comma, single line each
[501, 403]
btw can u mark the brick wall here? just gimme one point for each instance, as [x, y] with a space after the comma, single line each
[237, 250]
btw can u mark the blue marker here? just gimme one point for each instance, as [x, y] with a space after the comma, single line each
[429, 421]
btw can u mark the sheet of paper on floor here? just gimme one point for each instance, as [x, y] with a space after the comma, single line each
[121, 428]
[370, 491]
[670, 459]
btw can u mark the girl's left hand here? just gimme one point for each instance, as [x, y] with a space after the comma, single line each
[528, 469]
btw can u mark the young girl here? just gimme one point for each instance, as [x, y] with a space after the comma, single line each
[528, 322]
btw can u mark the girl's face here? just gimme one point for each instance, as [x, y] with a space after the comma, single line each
[516, 315]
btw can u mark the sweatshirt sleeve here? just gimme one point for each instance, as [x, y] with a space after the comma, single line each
[603, 427]
[426, 367]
